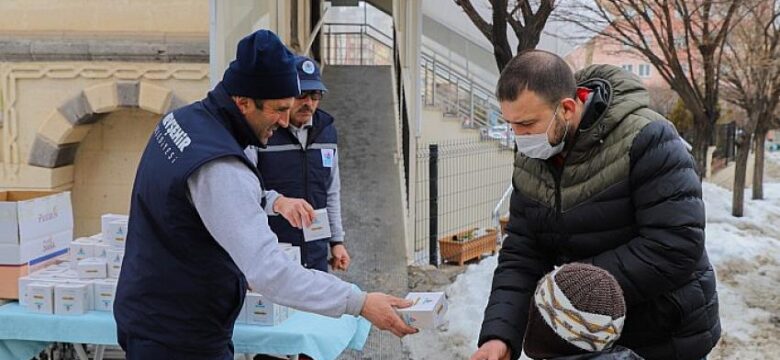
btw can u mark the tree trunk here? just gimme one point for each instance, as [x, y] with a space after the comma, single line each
[701, 143]
[501, 49]
[740, 172]
[502, 55]
[758, 169]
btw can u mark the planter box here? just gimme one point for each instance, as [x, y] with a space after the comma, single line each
[461, 251]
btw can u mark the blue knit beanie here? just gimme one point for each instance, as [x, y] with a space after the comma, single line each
[263, 69]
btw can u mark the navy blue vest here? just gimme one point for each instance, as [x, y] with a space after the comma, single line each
[178, 286]
[298, 173]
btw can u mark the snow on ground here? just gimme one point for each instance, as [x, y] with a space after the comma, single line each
[467, 297]
[746, 255]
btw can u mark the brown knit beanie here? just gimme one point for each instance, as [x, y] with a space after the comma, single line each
[576, 308]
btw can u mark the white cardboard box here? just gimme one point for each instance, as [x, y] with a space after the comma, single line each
[40, 298]
[101, 250]
[260, 311]
[105, 292]
[24, 283]
[90, 290]
[31, 215]
[117, 232]
[319, 228]
[69, 274]
[114, 229]
[114, 259]
[107, 218]
[92, 268]
[427, 312]
[114, 271]
[36, 250]
[71, 299]
[81, 249]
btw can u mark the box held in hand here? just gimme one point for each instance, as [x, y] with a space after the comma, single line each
[427, 312]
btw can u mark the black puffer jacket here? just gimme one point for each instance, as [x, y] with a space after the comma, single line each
[627, 199]
[616, 353]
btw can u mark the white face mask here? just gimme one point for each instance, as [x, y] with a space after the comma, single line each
[538, 146]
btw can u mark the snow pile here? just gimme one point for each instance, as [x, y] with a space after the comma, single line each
[467, 298]
[751, 235]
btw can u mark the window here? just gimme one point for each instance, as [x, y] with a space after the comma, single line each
[628, 67]
[644, 70]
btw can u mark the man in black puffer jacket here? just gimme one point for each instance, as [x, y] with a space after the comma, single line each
[601, 179]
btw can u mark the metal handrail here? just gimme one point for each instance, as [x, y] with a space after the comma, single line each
[464, 98]
[495, 216]
[328, 31]
[448, 71]
[477, 109]
[388, 38]
[314, 32]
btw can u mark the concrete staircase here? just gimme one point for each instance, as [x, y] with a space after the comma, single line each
[361, 100]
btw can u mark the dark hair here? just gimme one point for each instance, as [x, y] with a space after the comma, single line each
[540, 71]
[259, 103]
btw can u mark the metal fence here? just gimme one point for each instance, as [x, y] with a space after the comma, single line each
[458, 184]
[356, 44]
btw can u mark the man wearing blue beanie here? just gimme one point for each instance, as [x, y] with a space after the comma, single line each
[198, 235]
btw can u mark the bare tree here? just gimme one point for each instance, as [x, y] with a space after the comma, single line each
[751, 81]
[526, 23]
[682, 39]
[760, 143]
[662, 99]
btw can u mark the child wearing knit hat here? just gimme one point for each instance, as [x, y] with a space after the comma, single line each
[577, 313]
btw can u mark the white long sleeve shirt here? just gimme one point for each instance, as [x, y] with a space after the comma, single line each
[227, 196]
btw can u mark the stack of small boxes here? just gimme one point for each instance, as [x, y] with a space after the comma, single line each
[258, 310]
[87, 282]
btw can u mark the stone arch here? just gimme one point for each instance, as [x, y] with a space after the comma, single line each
[67, 125]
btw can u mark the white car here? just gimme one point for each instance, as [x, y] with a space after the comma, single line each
[500, 132]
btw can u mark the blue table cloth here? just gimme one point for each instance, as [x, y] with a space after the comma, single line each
[24, 334]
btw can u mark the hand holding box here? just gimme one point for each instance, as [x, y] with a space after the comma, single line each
[427, 312]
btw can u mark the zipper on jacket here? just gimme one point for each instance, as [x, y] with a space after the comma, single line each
[304, 150]
[557, 174]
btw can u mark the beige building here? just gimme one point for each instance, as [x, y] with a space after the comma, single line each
[602, 50]
[83, 83]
